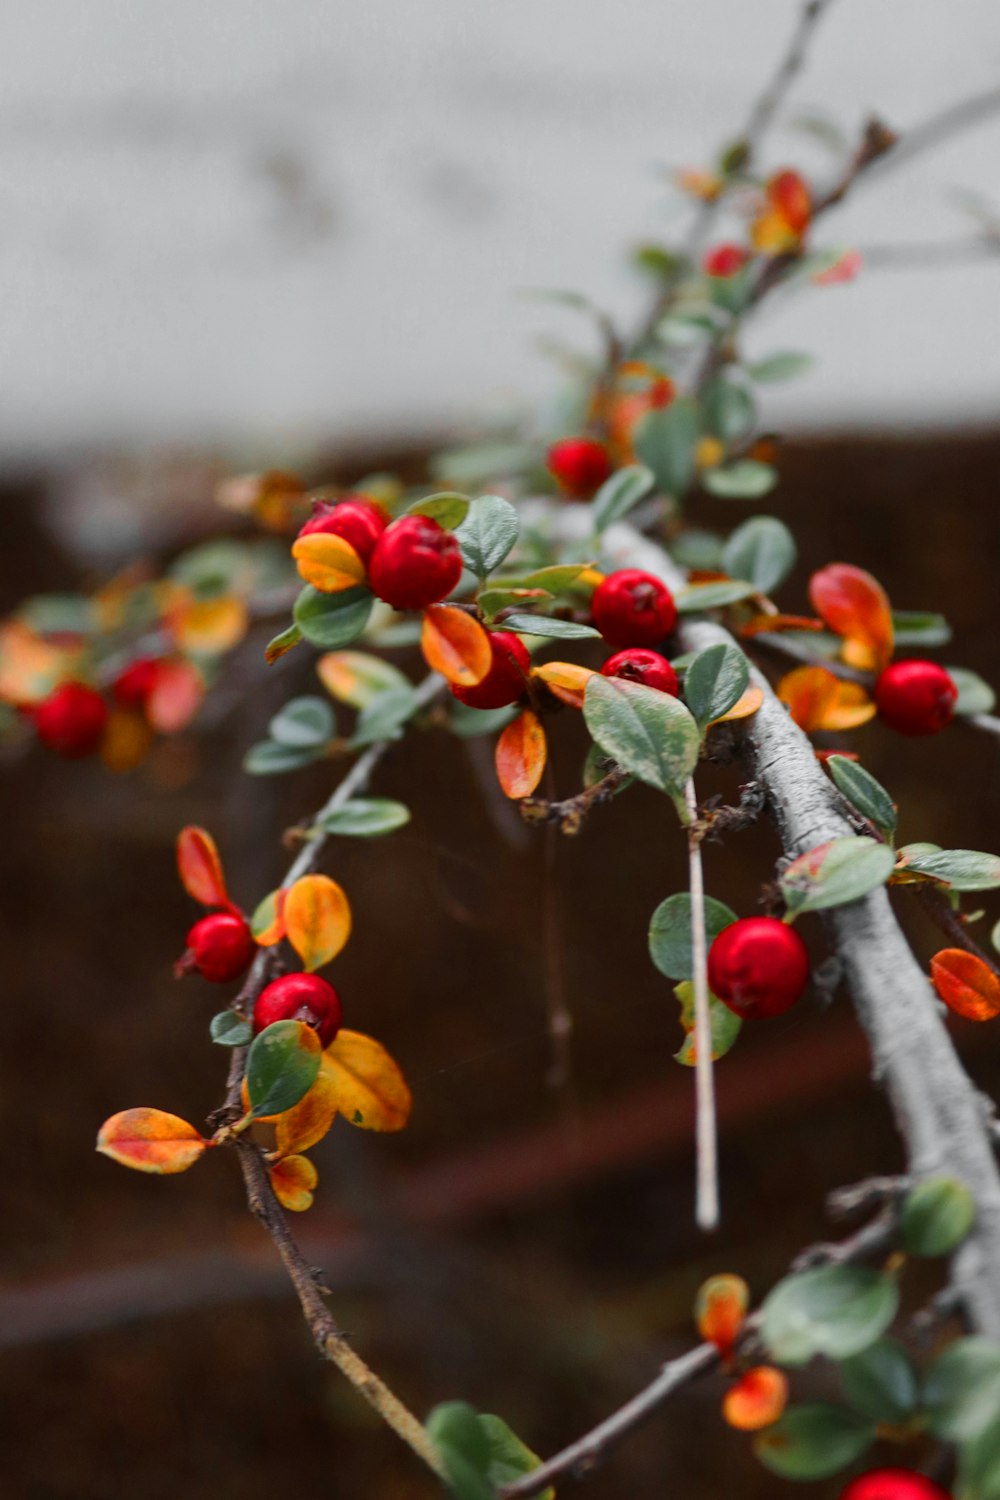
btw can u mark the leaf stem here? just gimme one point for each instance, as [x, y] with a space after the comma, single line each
[707, 1151]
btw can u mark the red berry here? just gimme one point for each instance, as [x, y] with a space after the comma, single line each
[71, 720]
[724, 260]
[893, 1484]
[639, 665]
[758, 967]
[133, 686]
[633, 608]
[916, 697]
[220, 947]
[300, 997]
[580, 465]
[504, 682]
[359, 521]
[415, 563]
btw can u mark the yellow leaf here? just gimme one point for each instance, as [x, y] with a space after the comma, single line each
[149, 1140]
[370, 1089]
[309, 1121]
[317, 919]
[328, 562]
[744, 706]
[293, 1180]
[456, 645]
[565, 679]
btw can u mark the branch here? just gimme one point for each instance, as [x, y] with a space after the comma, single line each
[569, 815]
[706, 1136]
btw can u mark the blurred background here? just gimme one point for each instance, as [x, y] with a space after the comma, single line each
[236, 237]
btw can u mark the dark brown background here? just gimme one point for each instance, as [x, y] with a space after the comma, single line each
[528, 1251]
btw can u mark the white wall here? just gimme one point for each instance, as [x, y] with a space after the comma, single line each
[265, 224]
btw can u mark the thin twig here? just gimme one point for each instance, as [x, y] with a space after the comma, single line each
[570, 814]
[707, 1152]
[937, 906]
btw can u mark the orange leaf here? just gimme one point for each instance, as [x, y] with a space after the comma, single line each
[150, 1141]
[521, 754]
[268, 922]
[30, 667]
[210, 626]
[966, 984]
[818, 699]
[788, 194]
[855, 606]
[761, 624]
[200, 867]
[176, 696]
[566, 680]
[328, 562]
[756, 1400]
[369, 1087]
[127, 738]
[747, 704]
[317, 919]
[720, 1309]
[293, 1181]
[456, 645]
[309, 1121]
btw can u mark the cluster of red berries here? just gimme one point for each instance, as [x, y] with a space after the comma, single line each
[916, 697]
[758, 967]
[72, 719]
[411, 563]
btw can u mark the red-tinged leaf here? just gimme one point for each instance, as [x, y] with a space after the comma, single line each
[328, 562]
[310, 1120]
[176, 697]
[268, 921]
[317, 918]
[818, 699]
[456, 645]
[847, 268]
[788, 194]
[756, 1400]
[369, 1089]
[149, 1140]
[521, 754]
[30, 667]
[566, 680]
[200, 867]
[966, 984]
[720, 1310]
[294, 1179]
[855, 606]
[773, 624]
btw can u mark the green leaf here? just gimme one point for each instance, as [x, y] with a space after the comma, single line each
[813, 1441]
[480, 1452]
[229, 1029]
[492, 601]
[303, 724]
[665, 441]
[920, 628]
[269, 759]
[881, 1382]
[264, 915]
[701, 596]
[962, 1389]
[762, 551]
[448, 509]
[960, 869]
[509, 1457]
[936, 1216]
[745, 479]
[469, 723]
[724, 1025]
[384, 716]
[556, 578]
[620, 493]
[863, 792]
[692, 327]
[370, 676]
[729, 409]
[835, 873]
[54, 614]
[831, 1310]
[784, 366]
[280, 1069]
[332, 620]
[365, 818]
[647, 732]
[488, 533]
[694, 548]
[974, 695]
[542, 625]
[979, 1466]
[715, 680]
[282, 642]
[670, 933]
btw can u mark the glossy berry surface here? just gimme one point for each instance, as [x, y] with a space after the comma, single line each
[893, 1484]
[758, 966]
[504, 682]
[916, 697]
[300, 997]
[358, 521]
[633, 608]
[579, 465]
[133, 686]
[71, 720]
[415, 563]
[724, 260]
[637, 664]
[220, 947]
